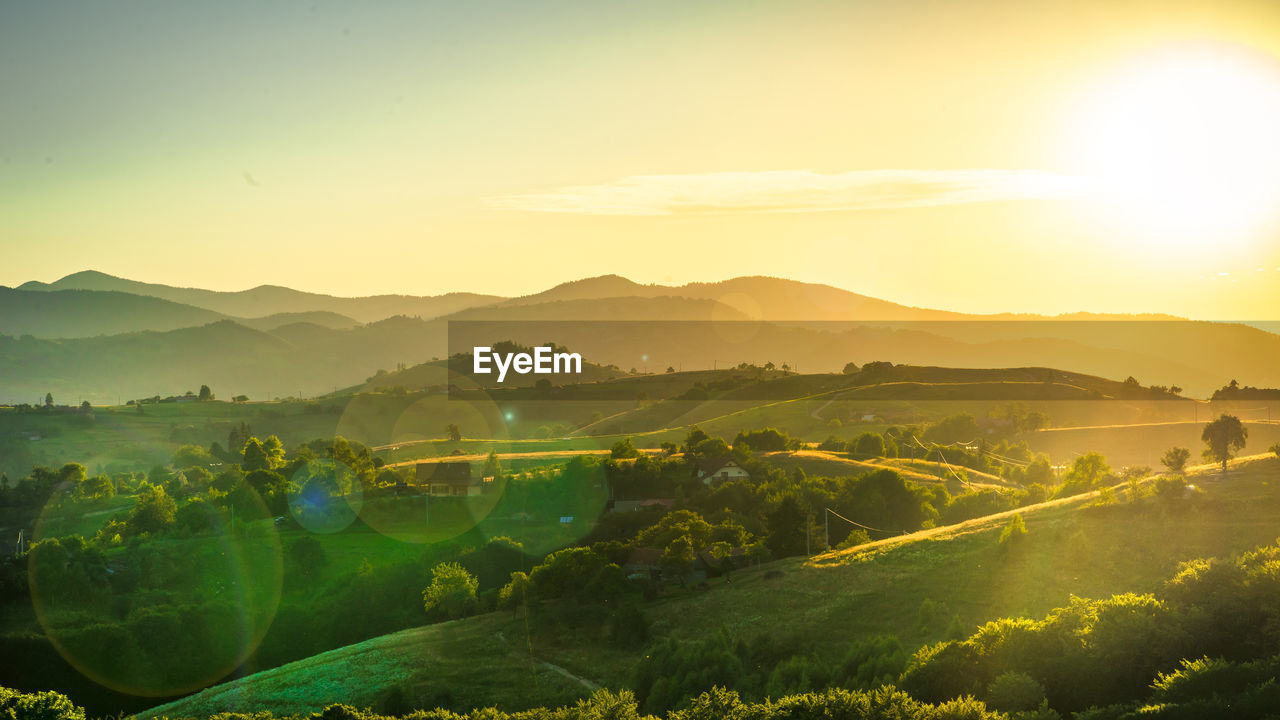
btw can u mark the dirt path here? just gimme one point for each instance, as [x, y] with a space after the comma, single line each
[556, 668]
[480, 457]
[837, 557]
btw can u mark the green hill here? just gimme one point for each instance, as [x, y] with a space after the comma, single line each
[913, 587]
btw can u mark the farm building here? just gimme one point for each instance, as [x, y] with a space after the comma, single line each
[448, 478]
[723, 469]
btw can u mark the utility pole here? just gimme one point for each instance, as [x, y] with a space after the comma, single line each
[808, 532]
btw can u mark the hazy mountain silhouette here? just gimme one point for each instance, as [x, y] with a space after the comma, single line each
[89, 313]
[759, 298]
[313, 350]
[272, 299]
[85, 313]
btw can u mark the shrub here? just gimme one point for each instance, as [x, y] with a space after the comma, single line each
[832, 444]
[872, 662]
[1014, 532]
[452, 592]
[37, 706]
[1014, 690]
[869, 444]
[1171, 489]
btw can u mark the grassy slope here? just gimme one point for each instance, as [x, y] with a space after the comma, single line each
[1142, 444]
[819, 605]
[465, 662]
[823, 604]
[818, 462]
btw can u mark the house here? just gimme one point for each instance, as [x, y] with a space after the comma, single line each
[721, 469]
[643, 562]
[634, 505]
[448, 479]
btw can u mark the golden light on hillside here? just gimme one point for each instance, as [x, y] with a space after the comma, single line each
[1183, 145]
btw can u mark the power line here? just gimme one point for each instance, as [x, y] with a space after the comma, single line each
[826, 527]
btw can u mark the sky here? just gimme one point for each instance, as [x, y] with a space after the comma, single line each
[975, 156]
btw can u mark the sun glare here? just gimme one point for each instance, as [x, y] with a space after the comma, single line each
[1183, 146]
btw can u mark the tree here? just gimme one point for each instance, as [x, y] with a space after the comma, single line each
[1087, 472]
[154, 511]
[623, 449]
[678, 559]
[308, 555]
[452, 592]
[869, 444]
[273, 450]
[85, 406]
[188, 456]
[255, 458]
[515, 594]
[453, 432]
[48, 400]
[670, 369]
[1176, 458]
[1224, 438]
[205, 393]
[850, 368]
[492, 466]
[786, 529]
[1039, 472]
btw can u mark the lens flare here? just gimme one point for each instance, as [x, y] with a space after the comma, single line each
[162, 617]
[325, 496]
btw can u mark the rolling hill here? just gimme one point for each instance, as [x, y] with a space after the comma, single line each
[817, 606]
[59, 314]
[812, 328]
[88, 313]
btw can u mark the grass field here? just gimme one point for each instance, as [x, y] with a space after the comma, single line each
[820, 463]
[1139, 444]
[821, 604]
[464, 663]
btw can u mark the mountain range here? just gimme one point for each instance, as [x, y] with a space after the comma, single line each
[92, 335]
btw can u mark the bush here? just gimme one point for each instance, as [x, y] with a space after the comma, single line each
[868, 444]
[1014, 532]
[1014, 690]
[452, 592]
[16, 705]
[1171, 489]
[832, 444]
[872, 662]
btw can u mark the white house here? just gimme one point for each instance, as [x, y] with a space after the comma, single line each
[725, 469]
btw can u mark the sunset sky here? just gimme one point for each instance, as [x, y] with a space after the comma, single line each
[975, 156]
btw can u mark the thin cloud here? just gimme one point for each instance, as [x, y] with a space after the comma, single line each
[794, 191]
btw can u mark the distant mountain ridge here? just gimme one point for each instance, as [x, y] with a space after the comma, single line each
[272, 299]
[754, 297]
[139, 344]
[92, 313]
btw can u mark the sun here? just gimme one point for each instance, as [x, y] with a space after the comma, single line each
[1182, 146]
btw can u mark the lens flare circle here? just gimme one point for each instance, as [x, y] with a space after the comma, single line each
[325, 496]
[161, 614]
